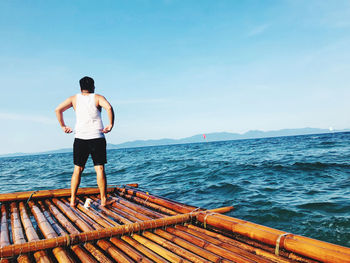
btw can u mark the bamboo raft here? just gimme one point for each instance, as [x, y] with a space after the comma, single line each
[139, 227]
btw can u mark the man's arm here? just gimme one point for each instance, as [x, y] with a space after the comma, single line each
[110, 113]
[59, 113]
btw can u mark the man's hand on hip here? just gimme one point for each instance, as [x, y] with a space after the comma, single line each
[67, 129]
[108, 128]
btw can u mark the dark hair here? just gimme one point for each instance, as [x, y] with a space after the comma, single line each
[87, 83]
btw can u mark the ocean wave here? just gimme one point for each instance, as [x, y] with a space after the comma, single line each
[222, 188]
[295, 165]
[328, 207]
[320, 165]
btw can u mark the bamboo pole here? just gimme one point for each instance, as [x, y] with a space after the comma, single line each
[115, 253]
[144, 202]
[169, 204]
[110, 213]
[190, 246]
[4, 238]
[49, 233]
[17, 232]
[209, 246]
[99, 256]
[93, 235]
[67, 211]
[137, 208]
[120, 212]
[124, 214]
[307, 247]
[128, 250]
[40, 256]
[4, 231]
[130, 211]
[105, 245]
[144, 250]
[277, 232]
[172, 257]
[177, 207]
[23, 196]
[122, 246]
[106, 218]
[224, 245]
[43, 194]
[162, 241]
[257, 251]
[82, 216]
[61, 218]
[174, 248]
[58, 229]
[91, 213]
[267, 248]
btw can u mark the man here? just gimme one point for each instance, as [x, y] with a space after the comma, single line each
[89, 134]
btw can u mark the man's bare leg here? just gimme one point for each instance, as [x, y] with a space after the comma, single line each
[101, 182]
[75, 181]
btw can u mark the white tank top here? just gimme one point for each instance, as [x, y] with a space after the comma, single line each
[88, 118]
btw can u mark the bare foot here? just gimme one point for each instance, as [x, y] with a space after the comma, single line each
[73, 203]
[106, 201]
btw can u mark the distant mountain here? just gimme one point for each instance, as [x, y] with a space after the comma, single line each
[210, 137]
[66, 150]
[221, 136]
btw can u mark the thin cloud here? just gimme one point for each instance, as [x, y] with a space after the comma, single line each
[25, 117]
[258, 30]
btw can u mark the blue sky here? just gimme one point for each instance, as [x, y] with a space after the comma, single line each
[172, 68]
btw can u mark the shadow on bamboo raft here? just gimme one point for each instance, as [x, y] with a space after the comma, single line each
[159, 229]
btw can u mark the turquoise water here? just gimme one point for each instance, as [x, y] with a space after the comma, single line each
[298, 184]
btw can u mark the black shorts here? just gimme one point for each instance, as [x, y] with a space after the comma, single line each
[95, 147]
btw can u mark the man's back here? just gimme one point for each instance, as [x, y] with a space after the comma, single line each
[88, 117]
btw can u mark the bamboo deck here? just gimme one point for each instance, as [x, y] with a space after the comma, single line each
[139, 227]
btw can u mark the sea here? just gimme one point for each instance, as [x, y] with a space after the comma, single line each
[298, 184]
